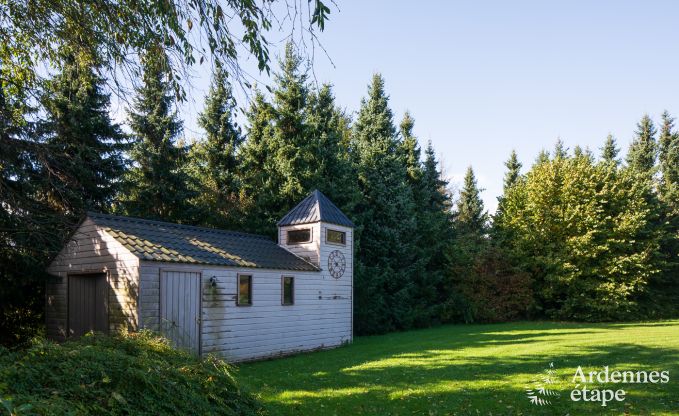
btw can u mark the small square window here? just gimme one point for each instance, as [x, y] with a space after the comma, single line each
[336, 237]
[244, 290]
[288, 290]
[299, 236]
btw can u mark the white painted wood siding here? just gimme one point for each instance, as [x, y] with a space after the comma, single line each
[308, 250]
[320, 318]
[91, 249]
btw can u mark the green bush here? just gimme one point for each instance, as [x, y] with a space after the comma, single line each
[123, 374]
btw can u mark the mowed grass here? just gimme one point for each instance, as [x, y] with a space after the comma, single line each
[472, 369]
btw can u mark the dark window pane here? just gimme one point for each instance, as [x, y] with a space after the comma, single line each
[299, 236]
[244, 290]
[288, 289]
[337, 237]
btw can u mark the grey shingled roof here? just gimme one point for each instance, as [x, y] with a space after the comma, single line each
[315, 207]
[164, 241]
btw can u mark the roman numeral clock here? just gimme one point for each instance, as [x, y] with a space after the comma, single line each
[337, 264]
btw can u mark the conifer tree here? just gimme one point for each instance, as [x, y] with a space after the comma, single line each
[471, 216]
[560, 151]
[410, 151]
[281, 145]
[610, 151]
[641, 155]
[213, 161]
[383, 279]
[330, 165]
[669, 152]
[513, 171]
[158, 185]
[85, 146]
[542, 157]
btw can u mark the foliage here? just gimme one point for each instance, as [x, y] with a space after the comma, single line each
[84, 147]
[496, 290]
[642, 153]
[470, 370]
[609, 153]
[387, 252]
[586, 234]
[214, 161]
[157, 186]
[137, 373]
[33, 32]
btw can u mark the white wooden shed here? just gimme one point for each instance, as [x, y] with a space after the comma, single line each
[241, 296]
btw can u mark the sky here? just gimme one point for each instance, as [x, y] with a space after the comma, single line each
[484, 77]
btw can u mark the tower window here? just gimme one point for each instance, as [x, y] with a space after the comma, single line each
[299, 236]
[288, 290]
[336, 237]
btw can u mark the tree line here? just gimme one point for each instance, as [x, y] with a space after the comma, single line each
[575, 237]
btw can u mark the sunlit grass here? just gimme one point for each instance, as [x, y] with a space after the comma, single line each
[472, 369]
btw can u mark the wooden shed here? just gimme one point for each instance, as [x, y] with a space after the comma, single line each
[241, 296]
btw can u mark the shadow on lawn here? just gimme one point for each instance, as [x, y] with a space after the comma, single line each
[453, 369]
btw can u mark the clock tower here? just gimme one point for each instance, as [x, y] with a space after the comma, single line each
[319, 232]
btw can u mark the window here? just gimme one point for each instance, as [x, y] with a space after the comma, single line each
[336, 237]
[288, 290]
[244, 290]
[299, 236]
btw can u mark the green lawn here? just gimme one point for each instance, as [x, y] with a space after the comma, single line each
[472, 369]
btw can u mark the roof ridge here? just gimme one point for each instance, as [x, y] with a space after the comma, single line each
[176, 225]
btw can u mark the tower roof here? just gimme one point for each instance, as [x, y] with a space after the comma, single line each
[314, 208]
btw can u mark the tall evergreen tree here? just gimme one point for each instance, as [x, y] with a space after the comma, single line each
[85, 146]
[642, 153]
[610, 151]
[158, 185]
[542, 157]
[560, 150]
[384, 281]
[669, 151]
[214, 160]
[513, 171]
[280, 143]
[410, 151]
[331, 167]
[471, 216]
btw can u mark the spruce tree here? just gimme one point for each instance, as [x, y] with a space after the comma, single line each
[542, 157]
[158, 185]
[641, 155]
[331, 169]
[85, 146]
[669, 152]
[214, 160]
[560, 150]
[471, 216]
[610, 151]
[513, 171]
[410, 151]
[282, 147]
[385, 214]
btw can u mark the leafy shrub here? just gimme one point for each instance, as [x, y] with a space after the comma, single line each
[497, 291]
[123, 374]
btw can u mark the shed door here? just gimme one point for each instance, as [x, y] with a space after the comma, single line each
[180, 309]
[87, 304]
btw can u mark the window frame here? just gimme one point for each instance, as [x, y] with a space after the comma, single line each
[292, 290]
[327, 233]
[310, 240]
[238, 300]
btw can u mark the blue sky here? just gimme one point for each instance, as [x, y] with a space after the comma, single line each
[484, 77]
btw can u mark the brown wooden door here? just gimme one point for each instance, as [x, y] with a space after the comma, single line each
[87, 304]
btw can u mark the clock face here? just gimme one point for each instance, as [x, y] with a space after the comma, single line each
[336, 264]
